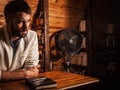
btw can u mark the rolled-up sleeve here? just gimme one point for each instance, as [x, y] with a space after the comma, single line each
[33, 54]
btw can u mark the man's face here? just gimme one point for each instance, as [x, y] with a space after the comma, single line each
[20, 24]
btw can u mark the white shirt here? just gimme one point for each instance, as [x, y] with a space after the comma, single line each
[26, 54]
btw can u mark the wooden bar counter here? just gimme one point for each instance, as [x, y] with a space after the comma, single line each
[64, 81]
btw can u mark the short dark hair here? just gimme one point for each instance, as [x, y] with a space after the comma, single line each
[15, 6]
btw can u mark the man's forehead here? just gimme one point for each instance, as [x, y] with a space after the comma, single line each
[22, 15]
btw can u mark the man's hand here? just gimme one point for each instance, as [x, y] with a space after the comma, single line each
[32, 72]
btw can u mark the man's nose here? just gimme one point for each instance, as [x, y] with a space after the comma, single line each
[24, 26]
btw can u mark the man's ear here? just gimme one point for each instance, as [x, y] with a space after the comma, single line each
[8, 19]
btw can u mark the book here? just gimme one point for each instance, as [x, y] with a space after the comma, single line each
[41, 83]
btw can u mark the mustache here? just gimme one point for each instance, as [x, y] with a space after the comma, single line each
[23, 30]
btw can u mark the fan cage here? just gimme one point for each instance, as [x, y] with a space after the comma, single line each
[69, 41]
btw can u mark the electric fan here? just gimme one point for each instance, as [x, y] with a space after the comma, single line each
[69, 41]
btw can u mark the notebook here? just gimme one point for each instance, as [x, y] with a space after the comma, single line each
[41, 83]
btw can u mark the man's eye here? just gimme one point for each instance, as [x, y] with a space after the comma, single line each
[19, 21]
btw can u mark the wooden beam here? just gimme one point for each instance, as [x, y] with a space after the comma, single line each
[46, 23]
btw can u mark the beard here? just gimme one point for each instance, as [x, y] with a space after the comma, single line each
[18, 32]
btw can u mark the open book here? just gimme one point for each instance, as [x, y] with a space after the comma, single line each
[41, 83]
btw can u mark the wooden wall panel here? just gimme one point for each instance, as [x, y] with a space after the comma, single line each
[57, 22]
[69, 3]
[62, 11]
[66, 13]
[2, 4]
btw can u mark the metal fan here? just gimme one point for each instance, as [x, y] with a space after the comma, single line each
[69, 41]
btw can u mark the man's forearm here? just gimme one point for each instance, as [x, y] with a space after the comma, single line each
[20, 74]
[12, 75]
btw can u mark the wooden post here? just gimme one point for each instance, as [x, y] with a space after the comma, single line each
[46, 31]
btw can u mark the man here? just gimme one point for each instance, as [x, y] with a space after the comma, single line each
[18, 44]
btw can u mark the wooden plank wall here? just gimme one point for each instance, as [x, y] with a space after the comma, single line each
[65, 13]
[2, 4]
